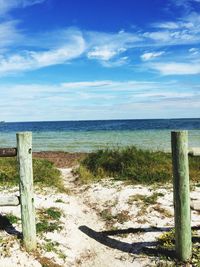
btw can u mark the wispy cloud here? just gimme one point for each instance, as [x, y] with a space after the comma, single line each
[30, 60]
[151, 55]
[194, 51]
[184, 30]
[107, 46]
[9, 35]
[68, 44]
[7, 5]
[103, 53]
[176, 68]
[31, 51]
[73, 100]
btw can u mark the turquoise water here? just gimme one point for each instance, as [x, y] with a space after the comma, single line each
[86, 141]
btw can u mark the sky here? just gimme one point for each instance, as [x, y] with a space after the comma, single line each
[99, 59]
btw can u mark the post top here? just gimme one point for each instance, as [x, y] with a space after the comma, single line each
[179, 131]
[24, 133]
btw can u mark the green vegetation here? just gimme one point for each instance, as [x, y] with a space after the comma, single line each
[44, 172]
[53, 246]
[132, 164]
[50, 245]
[163, 211]
[49, 220]
[59, 201]
[152, 199]
[111, 219]
[53, 213]
[166, 245]
[12, 218]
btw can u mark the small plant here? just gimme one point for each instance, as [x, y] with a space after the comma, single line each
[59, 200]
[111, 219]
[106, 215]
[163, 211]
[122, 216]
[49, 220]
[54, 213]
[145, 199]
[12, 218]
[50, 245]
[53, 246]
[166, 242]
[44, 227]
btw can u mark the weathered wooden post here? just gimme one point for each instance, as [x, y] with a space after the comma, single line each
[183, 239]
[24, 156]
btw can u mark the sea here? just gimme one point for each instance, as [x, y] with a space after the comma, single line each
[88, 136]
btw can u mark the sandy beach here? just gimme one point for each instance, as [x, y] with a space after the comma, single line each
[102, 224]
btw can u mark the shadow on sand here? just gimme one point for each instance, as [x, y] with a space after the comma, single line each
[148, 248]
[6, 226]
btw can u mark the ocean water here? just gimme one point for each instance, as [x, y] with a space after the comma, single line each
[86, 136]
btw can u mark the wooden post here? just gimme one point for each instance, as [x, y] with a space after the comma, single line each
[183, 240]
[24, 155]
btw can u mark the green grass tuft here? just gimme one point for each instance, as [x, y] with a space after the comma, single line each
[12, 218]
[132, 164]
[54, 213]
[49, 220]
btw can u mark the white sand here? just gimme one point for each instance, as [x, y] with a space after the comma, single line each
[81, 240]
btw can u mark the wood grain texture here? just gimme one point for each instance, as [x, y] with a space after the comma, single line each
[24, 147]
[8, 152]
[183, 240]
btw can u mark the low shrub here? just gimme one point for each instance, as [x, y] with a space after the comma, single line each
[135, 165]
[44, 172]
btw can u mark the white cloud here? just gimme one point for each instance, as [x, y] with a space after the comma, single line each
[87, 84]
[109, 49]
[174, 68]
[120, 61]
[173, 37]
[9, 34]
[7, 5]
[67, 44]
[73, 100]
[106, 46]
[30, 60]
[170, 25]
[194, 51]
[102, 53]
[185, 30]
[151, 55]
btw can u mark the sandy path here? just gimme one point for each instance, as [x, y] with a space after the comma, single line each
[84, 250]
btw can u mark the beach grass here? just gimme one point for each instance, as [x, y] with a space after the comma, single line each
[44, 173]
[132, 164]
[49, 220]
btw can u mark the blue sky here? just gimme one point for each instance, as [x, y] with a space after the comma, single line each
[99, 59]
